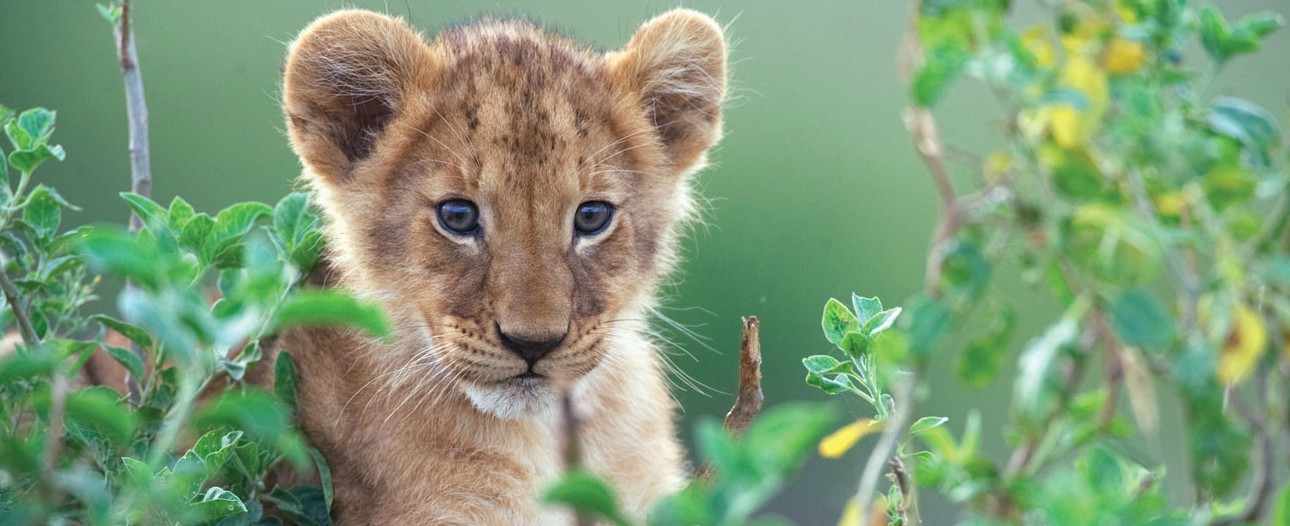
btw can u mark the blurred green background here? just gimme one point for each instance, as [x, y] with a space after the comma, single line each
[815, 191]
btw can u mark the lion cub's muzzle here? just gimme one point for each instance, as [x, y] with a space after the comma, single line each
[531, 346]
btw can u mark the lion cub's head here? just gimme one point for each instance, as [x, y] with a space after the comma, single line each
[507, 194]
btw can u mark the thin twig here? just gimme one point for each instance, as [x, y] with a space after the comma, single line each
[883, 451]
[136, 107]
[908, 492]
[572, 449]
[11, 297]
[922, 126]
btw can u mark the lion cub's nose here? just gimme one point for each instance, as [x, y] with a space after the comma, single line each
[531, 346]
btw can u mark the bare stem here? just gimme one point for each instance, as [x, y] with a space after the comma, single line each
[140, 159]
[136, 109]
[908, 492]
[11, 297]
[884, 450]
[572, 452]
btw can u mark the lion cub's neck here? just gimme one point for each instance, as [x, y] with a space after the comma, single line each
[423, 441]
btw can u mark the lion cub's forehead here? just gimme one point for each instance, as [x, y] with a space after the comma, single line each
[529, 105]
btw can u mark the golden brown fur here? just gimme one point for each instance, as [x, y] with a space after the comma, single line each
[436, 427]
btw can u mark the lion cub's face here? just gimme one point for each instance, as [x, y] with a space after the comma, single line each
[508, 195]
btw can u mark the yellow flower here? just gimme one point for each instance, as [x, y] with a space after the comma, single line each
[1122, 56]
[838, 442]
[1245, 344]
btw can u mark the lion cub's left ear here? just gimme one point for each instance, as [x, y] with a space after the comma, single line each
[676, 65]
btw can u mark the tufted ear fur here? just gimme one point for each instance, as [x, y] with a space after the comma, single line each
[676, 65]
[347, 76]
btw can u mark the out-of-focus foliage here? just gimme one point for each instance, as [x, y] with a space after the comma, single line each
[192, 443]
[1156, 214]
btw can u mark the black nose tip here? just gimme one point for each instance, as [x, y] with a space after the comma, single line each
[530, 346]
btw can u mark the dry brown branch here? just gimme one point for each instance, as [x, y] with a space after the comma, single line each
[749, 398]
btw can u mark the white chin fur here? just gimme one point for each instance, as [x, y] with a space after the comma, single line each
[514, 399]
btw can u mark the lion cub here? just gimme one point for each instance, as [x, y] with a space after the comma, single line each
[512, 199]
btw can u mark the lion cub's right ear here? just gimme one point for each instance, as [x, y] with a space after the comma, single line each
[347, 76]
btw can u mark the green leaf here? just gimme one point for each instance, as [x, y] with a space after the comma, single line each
[880, 322]
[286, 380]
[217, 503]
[929, 321]
[838, 321]
[196, 235]
[943, 63]
[1140, 320]
[984, 354]
[26, 364]
[1075, 173]
[291, 216]
[1036, 389]
[1248, 123]
[18, 137]
[28, 160]
[44, 211]
[148, 210]
[780, 439]
[1214, 33]
[330, 307]
[1281, 510]
[306, 253]
[38, 123]
[925, 423]
[832, 384]
[586, 493]
[180, 213]
[866, 308]
[821, 364]
[132, 332]
[103, 409]
[235, 221]
[251, 411]
[324, 474]
[127, 359]
[855, 344]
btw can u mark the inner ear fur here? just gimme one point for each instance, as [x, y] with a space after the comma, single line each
[347, 76]
[675, 65]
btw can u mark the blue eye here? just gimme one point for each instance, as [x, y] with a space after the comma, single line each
[459, 216]
[592, 217]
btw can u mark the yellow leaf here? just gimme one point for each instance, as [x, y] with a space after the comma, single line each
[1067, 126]
[1171, 204]
[1037, 43]
[1082, 74]
[851, 514]
[1245, 344]
[1122, 56]
[838, 442]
